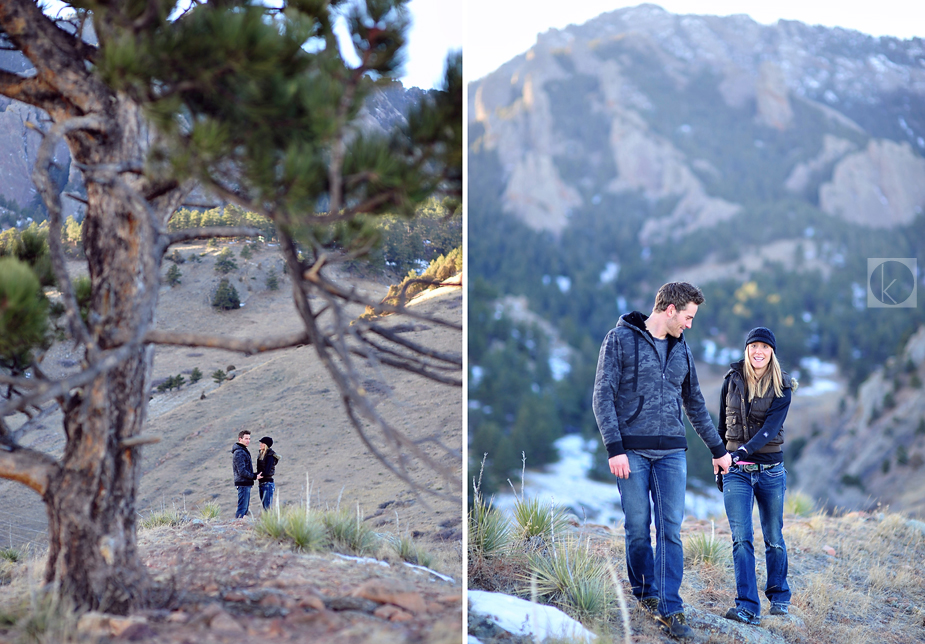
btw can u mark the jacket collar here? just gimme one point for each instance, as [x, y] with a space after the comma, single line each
[637, 322]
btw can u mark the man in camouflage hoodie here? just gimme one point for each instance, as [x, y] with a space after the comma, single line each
[645, 375]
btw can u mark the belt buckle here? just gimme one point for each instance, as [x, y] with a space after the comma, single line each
[752, 467]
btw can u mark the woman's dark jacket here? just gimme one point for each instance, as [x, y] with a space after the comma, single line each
[759, 424]
[267, 465]
[242, 465]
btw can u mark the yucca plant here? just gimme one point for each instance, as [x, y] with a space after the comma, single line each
[210, 510]
[10, 554]
[489, 530]
[538, 519]
[347, 532]
[570, 576]
[272, 524]
[304, 528]
[163, 518]
[409, 551]
[707, 549]
[800, 504]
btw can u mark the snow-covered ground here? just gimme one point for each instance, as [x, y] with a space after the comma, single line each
[522, 617]
[822, 373]
[565, 483]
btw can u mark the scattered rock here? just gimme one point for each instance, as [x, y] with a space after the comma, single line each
[391, 592]
[829, 550]
[222, 621]
[392, 613]
[361, 604]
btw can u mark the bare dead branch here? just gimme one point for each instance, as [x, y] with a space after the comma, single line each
[314, 276]
[411, 366]
[42, 178]
[213, 231]
[349, 383]
[45, 390]
[389, 334]
[76, 197]
[247, 347]
[28, 89]
[139, 440]
[27, 466]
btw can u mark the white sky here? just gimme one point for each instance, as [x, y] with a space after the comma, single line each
[437, 29]
[498, 30]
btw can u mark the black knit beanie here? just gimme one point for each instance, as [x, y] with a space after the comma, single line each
[267, 441]
[761, 334]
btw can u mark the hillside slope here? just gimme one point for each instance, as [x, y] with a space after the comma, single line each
[286, 395]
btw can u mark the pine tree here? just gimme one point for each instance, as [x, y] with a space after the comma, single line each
[228, 97]
[173, 275]
[226, 296]
[218, 376]
[272, 280]
[179, 380]
[195, 376]
[224, 262]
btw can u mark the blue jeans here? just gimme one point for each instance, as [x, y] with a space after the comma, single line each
[266, 494]
[664, 480]
[740, 492]
[244, 501]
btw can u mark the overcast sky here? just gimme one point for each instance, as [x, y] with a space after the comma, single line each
[437, 29]
[498, 30]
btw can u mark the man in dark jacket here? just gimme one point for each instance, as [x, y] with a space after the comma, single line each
[243, 469]
[266, 468]
[645, 374]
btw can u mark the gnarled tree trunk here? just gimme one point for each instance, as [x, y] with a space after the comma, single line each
[91, 499]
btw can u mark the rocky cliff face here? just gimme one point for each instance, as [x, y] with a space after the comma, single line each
[875, 451]
[623, 104]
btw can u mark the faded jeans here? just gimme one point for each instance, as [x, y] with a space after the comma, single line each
[266, 494]
[740, 492]
[244, 501]
[663, 480]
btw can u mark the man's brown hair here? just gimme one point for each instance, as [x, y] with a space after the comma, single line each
[678, 293]
[242, 433]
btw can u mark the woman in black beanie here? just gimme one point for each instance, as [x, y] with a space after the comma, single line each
[753, 407]
[266, 465]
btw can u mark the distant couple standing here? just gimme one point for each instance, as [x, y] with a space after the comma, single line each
[645, 374]
[245, 476]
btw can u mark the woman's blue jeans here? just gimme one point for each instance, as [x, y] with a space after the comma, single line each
[266, 494]
[741, 490]
[662, 480]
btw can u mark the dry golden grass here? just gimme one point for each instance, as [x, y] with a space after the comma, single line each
[855, 578]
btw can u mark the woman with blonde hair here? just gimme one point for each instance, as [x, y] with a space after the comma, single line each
[753, 407]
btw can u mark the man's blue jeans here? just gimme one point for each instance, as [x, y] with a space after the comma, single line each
[244, 501]
[266, 494]
[740, 492]
[663, 480]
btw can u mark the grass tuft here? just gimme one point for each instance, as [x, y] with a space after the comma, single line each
[10, 554]
[704, 549]
[537, 520]
[163, 517]
[303, 528]
[347, 532]
[409, 551]
[570, 576]
[211, 510]
[799, 504]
